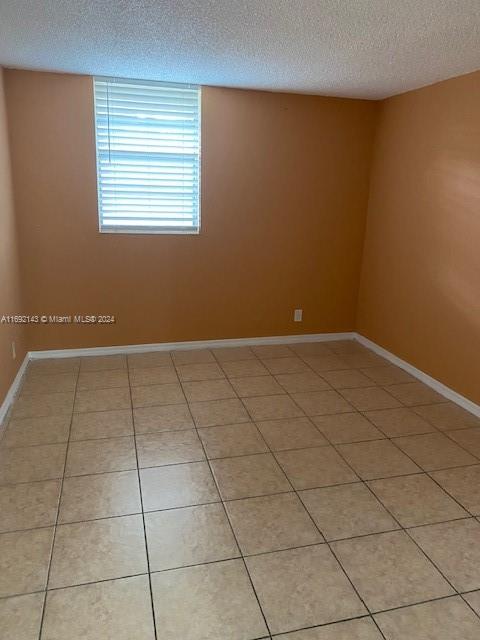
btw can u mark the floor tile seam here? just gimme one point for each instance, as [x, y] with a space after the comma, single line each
[145, 538]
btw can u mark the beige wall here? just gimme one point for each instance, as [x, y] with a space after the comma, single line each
[10, 302]
[284, 193]
[420, 289]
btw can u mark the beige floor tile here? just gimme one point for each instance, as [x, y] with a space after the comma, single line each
[27, 464]
[149, 359]
[101, 424]
[448, 619]
[109, 379]
[346, 346]
[291, 433]
[49, 383]
[24, 558]
[272, 407]
[321, 402]
[192, 535]
[377, 459]
[414, 393]
[387, 374]
[399, 422]
[102, 400]
[181, 485]
[389, 570]
[20, 617]
[285, 365]
[434, 451]
[98, 550]
[303, 349]
[362, 629]
[44, 404]
[203, 390]
[103, 363]
[52, 365]
[300, 382]
[100, 496]
[455, 548]
[469, 439]
[218, 412]
[241, 368]
[256, 386]
[207, 602]
[249, 476]
[302, 587]
[273, 351]
[174, 417]
[346, 379]
[152, 375]
[370, 398]
[26, 506]
[231, 354]
[157, 394]
[347, 427]
[232, 440]
[170, 447]
[327, 362]
[271, 523]
[192, 356]
[316, 467]
[473, 600]
[463, 484]
[201, 371]
[363, 359]
[98, 456]
[347, 511]
[448, 416]
[25, 432]
[119, 609]
[416, 500]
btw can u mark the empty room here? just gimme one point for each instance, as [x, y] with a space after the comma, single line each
[239, 320]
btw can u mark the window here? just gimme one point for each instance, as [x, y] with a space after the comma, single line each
[148, 156]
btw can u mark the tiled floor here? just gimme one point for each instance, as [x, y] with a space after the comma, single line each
[302, 492]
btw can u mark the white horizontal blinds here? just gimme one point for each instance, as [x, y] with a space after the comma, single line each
[148, 155]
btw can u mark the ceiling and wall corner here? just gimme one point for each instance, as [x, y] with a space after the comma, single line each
[358, 49]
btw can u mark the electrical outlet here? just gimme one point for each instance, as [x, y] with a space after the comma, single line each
[14, 352]
[298, 315]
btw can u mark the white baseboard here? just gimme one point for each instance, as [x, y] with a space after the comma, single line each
[437, 386]
[161, 346]
[12, 392]
[194, 344]
[448, 393]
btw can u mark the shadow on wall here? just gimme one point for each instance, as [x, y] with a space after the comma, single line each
[454, 183]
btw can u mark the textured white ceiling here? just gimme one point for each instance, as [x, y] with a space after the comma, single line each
[355, 48]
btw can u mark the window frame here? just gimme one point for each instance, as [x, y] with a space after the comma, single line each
[133, 230]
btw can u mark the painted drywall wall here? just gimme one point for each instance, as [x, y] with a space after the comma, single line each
[420, 286]
[284, 194]
[10, 299]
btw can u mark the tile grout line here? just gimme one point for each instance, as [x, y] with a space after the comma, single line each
[145, 539]
[424, 553]
[229, 522]
[177, 464]
[42, 619]
[322, 537]
[448, 581]
[232, 500]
